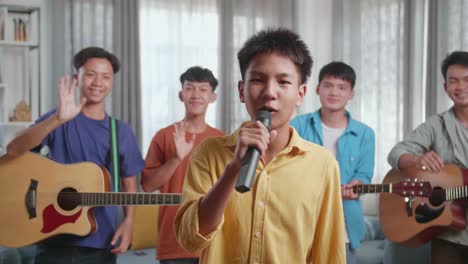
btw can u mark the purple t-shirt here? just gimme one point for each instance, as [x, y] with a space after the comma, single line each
[84, 139]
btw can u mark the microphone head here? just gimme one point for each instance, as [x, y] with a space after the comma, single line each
[264, 116]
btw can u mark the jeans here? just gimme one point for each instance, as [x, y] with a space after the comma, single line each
[179, 261]
[73, 254]
[444, 251]
[350, 254]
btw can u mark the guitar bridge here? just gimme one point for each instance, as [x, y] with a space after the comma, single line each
[409, 206]
[30, 199]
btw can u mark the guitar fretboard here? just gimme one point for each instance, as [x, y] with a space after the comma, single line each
[459, 192]
[372, 188]
[104, 199]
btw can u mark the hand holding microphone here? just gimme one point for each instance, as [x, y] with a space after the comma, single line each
[250, 160]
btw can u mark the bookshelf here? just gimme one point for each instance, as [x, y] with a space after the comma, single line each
[19, 66]
[18, 44]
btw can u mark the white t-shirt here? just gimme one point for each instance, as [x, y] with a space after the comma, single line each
[330, 139]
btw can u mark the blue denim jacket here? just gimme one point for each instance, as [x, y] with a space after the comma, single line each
[355, 155]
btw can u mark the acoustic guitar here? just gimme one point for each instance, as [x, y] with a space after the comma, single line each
[415, 220]
[403, 188]
[41, 198]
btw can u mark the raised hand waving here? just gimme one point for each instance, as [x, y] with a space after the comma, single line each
[183, 147]
[67, 108]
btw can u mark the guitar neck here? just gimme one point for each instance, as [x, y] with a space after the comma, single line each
[122, 198]
[372, 188]
[456, 193]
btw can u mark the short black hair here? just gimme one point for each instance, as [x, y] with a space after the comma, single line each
[339, 70]
[454, 58]
[199, 74]
[95, 52]
[281, 41]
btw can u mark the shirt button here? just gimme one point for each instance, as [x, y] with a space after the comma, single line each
[261, 204]
[257, 234]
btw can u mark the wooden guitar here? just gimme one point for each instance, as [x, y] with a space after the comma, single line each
[41, 198]
[403, 188]
[414, 220]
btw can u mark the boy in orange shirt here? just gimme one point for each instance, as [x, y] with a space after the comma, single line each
[169, 152]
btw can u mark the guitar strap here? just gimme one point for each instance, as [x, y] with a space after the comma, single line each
[114, 152]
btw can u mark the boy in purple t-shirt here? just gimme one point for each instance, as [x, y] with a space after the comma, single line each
[76, 133]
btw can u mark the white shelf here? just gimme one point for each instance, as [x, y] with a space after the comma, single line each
[18, 44]
[17, 124]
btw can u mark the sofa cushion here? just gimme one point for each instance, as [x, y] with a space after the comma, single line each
[145, 227]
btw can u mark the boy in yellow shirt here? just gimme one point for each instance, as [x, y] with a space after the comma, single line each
[293, 214]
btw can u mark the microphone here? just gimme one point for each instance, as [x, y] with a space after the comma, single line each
[250, 160]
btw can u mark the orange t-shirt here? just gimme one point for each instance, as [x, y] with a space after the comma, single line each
[161, 150]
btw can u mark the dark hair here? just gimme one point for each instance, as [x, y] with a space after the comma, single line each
[282, 41]
[95, 52]
[340, 70]
[199, 74]
[454, 58]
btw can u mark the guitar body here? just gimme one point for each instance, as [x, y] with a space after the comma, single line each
[29, 187]
[427, 216]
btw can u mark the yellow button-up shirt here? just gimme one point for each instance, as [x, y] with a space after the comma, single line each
[293, 213]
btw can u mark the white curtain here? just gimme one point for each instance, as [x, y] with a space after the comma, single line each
[448, 33]
[176, 35]
[240, 20]
[371, 39]
[126, 96]
[381, 41]
[314, 20]
[395, 46]
[73, 25]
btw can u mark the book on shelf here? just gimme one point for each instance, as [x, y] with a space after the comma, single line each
[1, 67]
[16, 26]
[3, 17]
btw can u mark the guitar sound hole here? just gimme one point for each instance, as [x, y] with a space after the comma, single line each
[67, 199]
[437, 197]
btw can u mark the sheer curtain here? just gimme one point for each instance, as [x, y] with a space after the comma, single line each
[241, 19]
[449, 32]
[74, 25]
[174, 35]
[126, 91]
[178, 34]
[377, 38]
[314, 20]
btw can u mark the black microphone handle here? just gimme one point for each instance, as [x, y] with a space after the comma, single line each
[250, 160]
[247, 171]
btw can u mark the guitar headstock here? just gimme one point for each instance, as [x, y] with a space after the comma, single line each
[412, 187]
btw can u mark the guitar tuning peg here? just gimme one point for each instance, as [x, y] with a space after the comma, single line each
[415, 179]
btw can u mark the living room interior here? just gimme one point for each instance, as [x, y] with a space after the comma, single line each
[395, 47]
